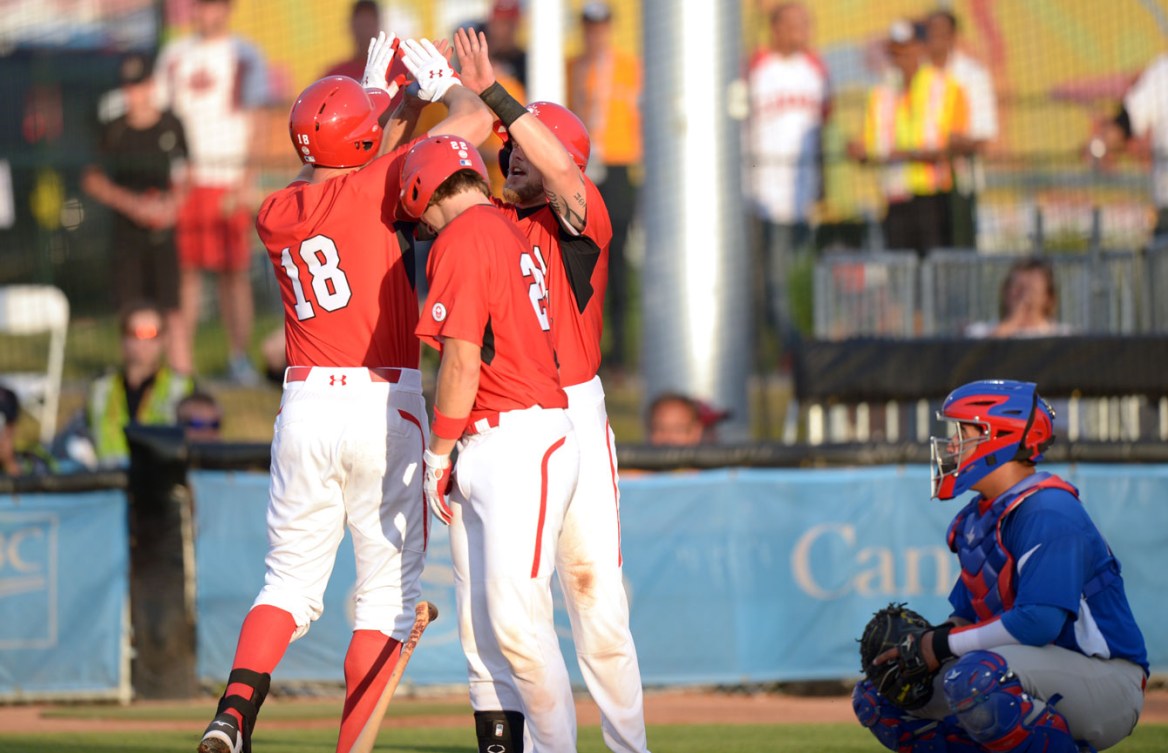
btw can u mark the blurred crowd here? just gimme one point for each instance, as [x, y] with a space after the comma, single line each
[178, 167]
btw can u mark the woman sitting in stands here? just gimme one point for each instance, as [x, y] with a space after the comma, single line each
[1028, 302]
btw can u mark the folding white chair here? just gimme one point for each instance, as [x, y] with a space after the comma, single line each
[37, 310]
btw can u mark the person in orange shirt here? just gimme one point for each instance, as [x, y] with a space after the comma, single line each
[914, 124]
[604, 90]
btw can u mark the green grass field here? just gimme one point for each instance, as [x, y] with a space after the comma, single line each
[674, 739]
[434, 726]
[707, 738]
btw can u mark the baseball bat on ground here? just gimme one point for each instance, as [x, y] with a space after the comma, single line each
[424, 614]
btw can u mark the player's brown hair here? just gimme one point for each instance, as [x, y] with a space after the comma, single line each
[463, 180]
[1032, 264]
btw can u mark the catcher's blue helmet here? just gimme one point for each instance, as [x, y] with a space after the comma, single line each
[1014, 424]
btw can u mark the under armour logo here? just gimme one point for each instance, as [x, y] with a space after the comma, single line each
[333, 379]
[436, 74]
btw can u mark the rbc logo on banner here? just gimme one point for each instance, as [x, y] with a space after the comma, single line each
[27, 581]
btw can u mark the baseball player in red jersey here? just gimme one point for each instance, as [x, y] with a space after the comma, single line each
[349, 437]
[498, 398]
[567, 227]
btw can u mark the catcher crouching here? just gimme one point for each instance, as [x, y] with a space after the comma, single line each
[1041, 651]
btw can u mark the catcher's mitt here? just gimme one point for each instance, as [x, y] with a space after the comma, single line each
[906, 681]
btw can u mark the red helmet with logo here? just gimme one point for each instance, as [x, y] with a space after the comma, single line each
[334, 123]
[561, 121]
[429, 163]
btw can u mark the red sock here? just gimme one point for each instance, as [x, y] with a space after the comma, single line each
[263, 639]
[369, 662]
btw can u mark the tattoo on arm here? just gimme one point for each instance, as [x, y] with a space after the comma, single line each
[572, 215]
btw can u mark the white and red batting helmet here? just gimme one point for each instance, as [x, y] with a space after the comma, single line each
[562, 122]
[429, 163]
[334, 123]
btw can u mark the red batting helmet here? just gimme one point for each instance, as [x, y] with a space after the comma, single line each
[561, 121]
[334, 123]
[429, 163]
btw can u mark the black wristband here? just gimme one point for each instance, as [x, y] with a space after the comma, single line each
[505, 106]
[941, 650]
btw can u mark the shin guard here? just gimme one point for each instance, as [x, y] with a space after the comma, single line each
[902, 732]
[993, 707]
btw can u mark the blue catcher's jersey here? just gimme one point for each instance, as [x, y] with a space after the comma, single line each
[1062, 560]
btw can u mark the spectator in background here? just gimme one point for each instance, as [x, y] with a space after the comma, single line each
[1144, 118]
[141, 391]
[364, 25]
[604, 90]
[15, 462]
[215, 82]
[1028, 303]
[975, 81]
[141, 177]
[200, 417]
[677, 419]
[790, 100]
[908, 129]
[508, 58]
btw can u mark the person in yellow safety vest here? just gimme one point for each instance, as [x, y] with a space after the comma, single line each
[914, 123]
[142, 391]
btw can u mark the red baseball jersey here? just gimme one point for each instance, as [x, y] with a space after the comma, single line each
[487, 288]
[577, 274]
[346, 273]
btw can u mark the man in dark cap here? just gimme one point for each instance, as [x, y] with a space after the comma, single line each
[139, 175]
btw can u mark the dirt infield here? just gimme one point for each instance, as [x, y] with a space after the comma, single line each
[661, 707]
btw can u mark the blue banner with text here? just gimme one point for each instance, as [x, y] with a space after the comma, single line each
[64, 582]
[733, 575]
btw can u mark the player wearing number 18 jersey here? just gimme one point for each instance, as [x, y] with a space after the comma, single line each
[349, 437]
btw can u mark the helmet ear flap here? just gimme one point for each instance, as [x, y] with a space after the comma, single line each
[505, 157]
[1038, 434]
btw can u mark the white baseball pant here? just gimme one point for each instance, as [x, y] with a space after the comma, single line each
[347, 448]
[513, 483]
[588, 562]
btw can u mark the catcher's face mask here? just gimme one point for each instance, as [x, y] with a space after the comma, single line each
[953, 452]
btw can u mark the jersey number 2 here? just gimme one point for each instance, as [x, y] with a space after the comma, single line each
[330, 287]
[536, 269]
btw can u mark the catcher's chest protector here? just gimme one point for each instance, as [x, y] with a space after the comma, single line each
[987, 567]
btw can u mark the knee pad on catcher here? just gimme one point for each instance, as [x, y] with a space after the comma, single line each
[991, 705]
[499, 731]
[900, 731]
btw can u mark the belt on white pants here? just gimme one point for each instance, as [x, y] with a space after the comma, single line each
[335, 376]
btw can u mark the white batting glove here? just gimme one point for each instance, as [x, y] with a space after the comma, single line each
[429, 68]
[436, 485]
[382, 48]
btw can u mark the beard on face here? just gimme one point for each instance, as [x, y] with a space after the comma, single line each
[522, 191]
